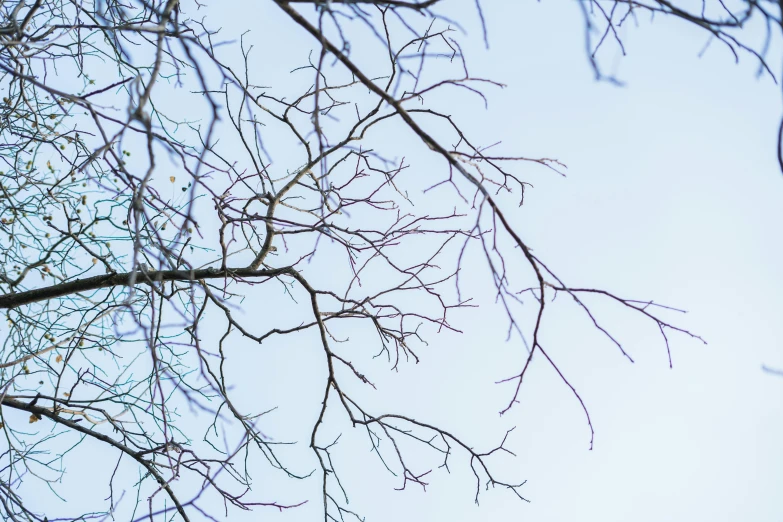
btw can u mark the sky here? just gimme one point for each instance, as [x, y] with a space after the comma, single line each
[672, 193]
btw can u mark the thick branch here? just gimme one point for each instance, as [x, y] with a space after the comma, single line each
[129, 279]
[40, 411]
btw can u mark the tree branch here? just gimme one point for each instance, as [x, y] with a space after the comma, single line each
[40, 411]
[129, 279]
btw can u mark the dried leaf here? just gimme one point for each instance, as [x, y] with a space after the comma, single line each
[172, 179]
[34, 418]
[58, 359]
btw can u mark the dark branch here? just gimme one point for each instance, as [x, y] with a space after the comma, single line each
[131, 278]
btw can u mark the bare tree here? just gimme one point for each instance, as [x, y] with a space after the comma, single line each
[154, 188]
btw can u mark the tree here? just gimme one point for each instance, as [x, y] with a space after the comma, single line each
[162, 194]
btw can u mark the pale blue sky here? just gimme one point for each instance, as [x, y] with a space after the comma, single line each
[673, 194]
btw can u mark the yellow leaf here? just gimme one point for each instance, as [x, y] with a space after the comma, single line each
[59, 359]
[172, 179]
